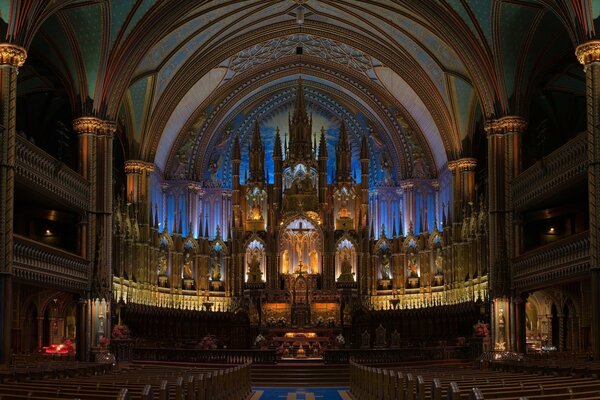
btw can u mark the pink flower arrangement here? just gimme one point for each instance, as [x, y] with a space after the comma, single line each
[120, 332]
[481, 329]
[207, 343]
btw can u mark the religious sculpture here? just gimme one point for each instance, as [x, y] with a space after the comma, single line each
[285, 262]
[346, 274]
[215, 274]
[187, 266]
[314, 262]
[254, 272]
[162, 265]
[385, 267]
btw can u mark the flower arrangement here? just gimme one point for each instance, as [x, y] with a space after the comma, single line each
[207, 343]
[480, 329]
[339, 339]
[320, 321]
[271, 321]
[104, 342]
[120, 332]
[282, 321]
[330, 321]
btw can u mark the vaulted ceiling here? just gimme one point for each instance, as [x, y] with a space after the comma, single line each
[417, 76]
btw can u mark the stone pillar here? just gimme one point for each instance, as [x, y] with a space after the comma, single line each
[81, 343]
[504, 163]
[11, 58]
[521, 323]
[95, 164]
[588, 54]
[561, 332]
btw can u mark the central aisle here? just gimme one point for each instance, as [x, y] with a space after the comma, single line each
[300, 394]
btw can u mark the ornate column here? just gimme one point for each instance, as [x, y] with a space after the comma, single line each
[504, 163]
[588, 54]
[95, 157]
[561, 332]
[11, 58]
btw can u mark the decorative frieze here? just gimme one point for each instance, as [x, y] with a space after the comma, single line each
[138, 167]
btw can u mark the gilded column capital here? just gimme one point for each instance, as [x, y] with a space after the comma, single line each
[107, 128]
[506, 125]
[588, 52]
[87, 125]
[138, 167]
[462, 164]
[13, 55]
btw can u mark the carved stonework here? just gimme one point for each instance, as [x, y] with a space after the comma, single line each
[588, 52]
[12, 54]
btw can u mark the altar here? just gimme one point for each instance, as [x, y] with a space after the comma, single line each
[301, 345]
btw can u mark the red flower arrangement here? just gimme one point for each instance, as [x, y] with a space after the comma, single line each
[120, 332]
[104, 342]
[481, 329]
[207, 343]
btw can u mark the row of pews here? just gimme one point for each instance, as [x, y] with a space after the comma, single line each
[454, 382]
[140, 381]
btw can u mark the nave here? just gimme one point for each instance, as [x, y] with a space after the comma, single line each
[512, 378]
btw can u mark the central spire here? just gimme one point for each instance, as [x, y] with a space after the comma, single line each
[300, 128]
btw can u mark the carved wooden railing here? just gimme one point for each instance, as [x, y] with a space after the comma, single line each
[36, 167]
[394, 355]
[559, 169]
[48, 265]
[555, 261]
[220, 356]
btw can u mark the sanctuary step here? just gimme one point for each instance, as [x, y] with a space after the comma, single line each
[296, 374]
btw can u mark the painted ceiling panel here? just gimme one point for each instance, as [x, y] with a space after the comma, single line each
[185, 33]
[119, 10]
[140, 93]
[139, 13]
[463, 97]
[54, 32]
[417, 109]
[482, 9]
[5, 10]
[88, 21]
[460, 9]
[188, 104]
[515, 23]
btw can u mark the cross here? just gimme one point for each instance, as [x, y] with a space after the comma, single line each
[300, 230]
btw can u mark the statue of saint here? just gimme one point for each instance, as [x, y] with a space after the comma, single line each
[285, 262]
[162, 265]
[345, 269]
[187, 266]
[439, 262]
[346, 265]
[412, 266]
[385, 267]
[314, 262]
[215, 274]
[254, 272]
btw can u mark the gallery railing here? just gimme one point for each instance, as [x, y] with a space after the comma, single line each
[390, 355]
[562, 259]
[558, 170]
[36, 167]
[48, 265]
[220, 356]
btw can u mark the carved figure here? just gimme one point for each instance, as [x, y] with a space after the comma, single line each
[385, 267]
[285, 262]
[254, 272]
[162, 265]
[314, 262]
[187, 266]
[215, 274]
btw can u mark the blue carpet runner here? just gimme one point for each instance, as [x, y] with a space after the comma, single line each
[299, 393]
